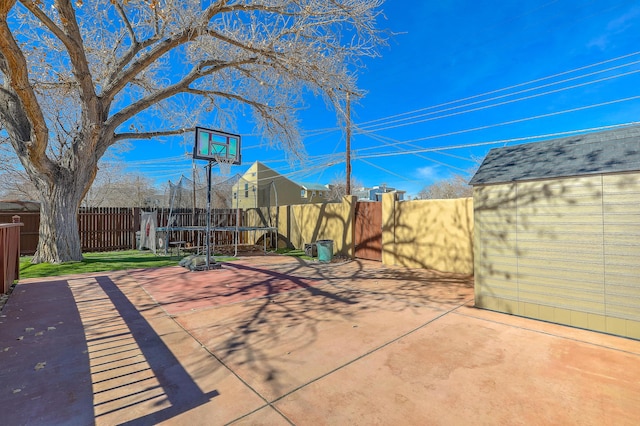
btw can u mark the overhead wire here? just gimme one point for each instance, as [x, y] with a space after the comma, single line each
[444, 104]
[322, 162]
[359, 128]
[468, 145]
[381, 139]
[389, 171]
[505, 123]
[499, 141]
[388, 127]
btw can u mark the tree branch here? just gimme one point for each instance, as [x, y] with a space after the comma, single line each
[35, 9]
[127, 23]
[80, 65]
[149, 135]
[120, 79]
[181, 87]
[135, 48]
[17, 75]
[71, 38]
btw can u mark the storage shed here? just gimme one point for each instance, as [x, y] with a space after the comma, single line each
[557, 231]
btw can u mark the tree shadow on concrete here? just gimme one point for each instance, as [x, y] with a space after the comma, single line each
[45, 376]
[266, 340]
[177, 385]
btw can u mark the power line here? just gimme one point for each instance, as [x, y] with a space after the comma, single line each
[364, 124]
[324, 161]
[388, 171]
[504, 102]
[496, 142]
[365, 128]
[381, 139]
[505, 123]
[386, 121]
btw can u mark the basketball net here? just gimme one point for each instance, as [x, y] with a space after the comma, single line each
[224, 164]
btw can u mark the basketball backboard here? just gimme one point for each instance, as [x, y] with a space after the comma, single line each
[214, 144]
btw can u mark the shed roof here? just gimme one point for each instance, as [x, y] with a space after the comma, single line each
[612, 151]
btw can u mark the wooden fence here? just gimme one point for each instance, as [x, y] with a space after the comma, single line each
[108, 228]
[114, 228]
[9, 254]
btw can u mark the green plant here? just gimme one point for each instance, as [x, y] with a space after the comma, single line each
[294, 252]
[96, 262]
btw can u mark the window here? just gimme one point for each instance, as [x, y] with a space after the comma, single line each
[303, 193]
[246, 190]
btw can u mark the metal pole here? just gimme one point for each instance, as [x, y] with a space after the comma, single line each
[208, 232]
[193, 211]
[348, 140]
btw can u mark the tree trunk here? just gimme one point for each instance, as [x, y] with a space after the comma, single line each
[59, 237]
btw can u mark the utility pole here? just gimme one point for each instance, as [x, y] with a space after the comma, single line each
[348, 141]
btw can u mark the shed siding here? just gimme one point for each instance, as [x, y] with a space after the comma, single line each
[495, 260]
[563, 250]
[554, 214]
[621, 203]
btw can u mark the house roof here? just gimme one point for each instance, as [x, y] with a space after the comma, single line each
[314, 187]
[19, 206]
[611, 151]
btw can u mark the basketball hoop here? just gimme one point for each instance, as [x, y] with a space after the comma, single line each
[224, 164]
[216, 146]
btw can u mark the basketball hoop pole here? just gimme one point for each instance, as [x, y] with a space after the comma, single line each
[208, 231]
[219, 148]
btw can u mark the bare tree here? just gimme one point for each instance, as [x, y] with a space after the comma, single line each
[7, 156]
[454, 187]
[338, 187]
[112, 187]
[79, 76]
[121, 190]
[15, 185]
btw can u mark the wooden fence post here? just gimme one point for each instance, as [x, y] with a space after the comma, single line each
[9, 253]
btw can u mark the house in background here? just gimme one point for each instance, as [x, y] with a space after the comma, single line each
[375, 193]
[313, 193]
[261, 186]
[557, 231]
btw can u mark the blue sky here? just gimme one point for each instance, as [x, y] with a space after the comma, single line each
[458, 78]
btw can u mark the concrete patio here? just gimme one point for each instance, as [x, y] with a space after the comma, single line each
[273, 340]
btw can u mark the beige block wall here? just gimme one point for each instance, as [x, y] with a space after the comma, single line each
[436, 234]
[324, 221]
[562, 251]
[432, 234]
[307, 223]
